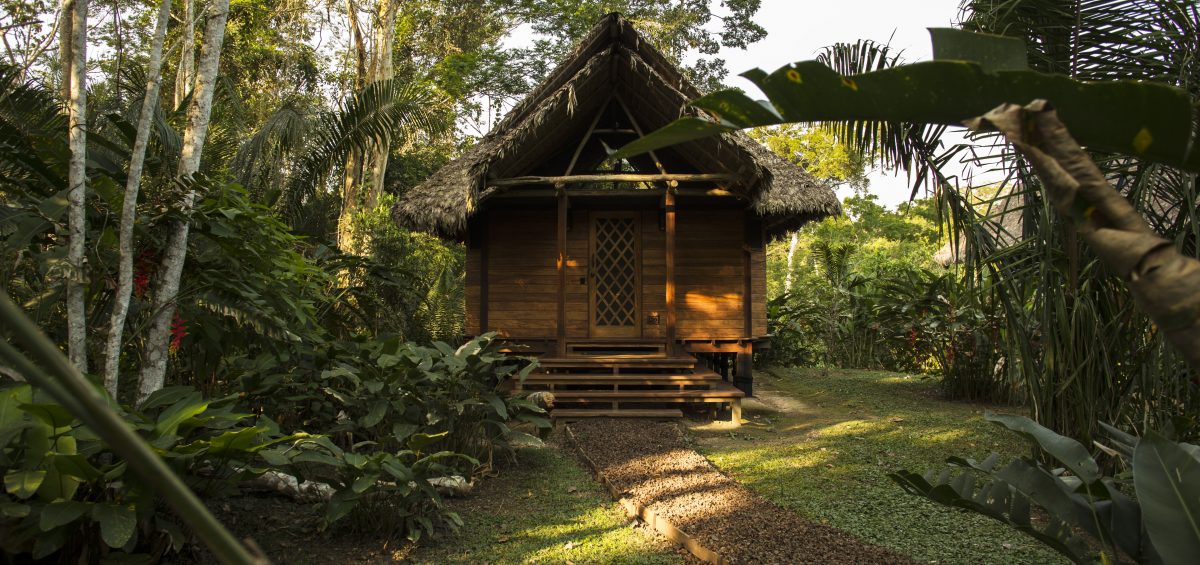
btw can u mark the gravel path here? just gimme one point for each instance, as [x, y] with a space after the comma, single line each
[651, 463]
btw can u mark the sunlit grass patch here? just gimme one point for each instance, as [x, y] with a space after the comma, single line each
[826, 454]
[545, 509]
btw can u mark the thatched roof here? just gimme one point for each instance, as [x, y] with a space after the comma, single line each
[613, 60]
[1001, 221]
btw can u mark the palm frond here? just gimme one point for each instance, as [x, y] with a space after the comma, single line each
[894, 145]
[32, 135]
[380, 114]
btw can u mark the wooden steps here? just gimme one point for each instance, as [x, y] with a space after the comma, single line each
[571, 414]
[622, 381]
[645, 383]
[721, 393]
[631, 361]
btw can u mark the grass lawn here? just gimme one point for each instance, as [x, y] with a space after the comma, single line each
[821, 441]
[545, 509]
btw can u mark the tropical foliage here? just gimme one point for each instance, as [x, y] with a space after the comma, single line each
[1134, 515]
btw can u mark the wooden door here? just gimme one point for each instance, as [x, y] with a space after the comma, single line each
[615, 285]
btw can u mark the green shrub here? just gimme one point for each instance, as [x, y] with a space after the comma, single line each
[385, 391]
[67, 492]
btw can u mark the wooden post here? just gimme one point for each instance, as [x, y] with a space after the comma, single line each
[744, 372]
[747, 294]
[481, 241]
[562, 270]
[669, 210]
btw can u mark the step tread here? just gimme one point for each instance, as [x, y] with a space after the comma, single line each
[627, 413]
[720, 392]
[623, 377]
[619, 361]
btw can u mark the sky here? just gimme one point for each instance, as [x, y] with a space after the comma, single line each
[798, 29]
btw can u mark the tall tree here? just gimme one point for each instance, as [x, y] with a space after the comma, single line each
[360, 190]
[186, 72]
[112, 348]
[817, 151]
[154, 367]
[76, 79]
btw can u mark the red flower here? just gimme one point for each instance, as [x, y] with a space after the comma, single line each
[178, 330]
[141, 277]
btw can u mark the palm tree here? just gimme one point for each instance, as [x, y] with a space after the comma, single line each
[294, 155]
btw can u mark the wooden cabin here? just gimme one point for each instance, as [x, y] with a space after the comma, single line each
[639, 283]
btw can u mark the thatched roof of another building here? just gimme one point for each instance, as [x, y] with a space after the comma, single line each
[1001, 221]
[613, 60]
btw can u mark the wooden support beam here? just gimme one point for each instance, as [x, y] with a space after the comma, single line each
[747, 293]
[482, 241]
[645, 192]
[622, 177]
[562, 273]
[587, 136]
[744, 373]
[669, 210]
[638, 128]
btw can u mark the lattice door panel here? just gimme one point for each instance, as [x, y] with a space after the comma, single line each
[615, 277]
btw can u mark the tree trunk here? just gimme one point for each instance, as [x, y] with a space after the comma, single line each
[77, 180]
[1165, 283]
[360, 192]
[116, 327]
[64, 49]
[787, 277]
[154, 367]
[383, 68]
[187, 53]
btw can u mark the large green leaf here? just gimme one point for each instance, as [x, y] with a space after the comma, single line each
[185, 408]
[1070, 453]
[117, 523]
[11, 400]
[61, 512]
[1167, 480]
[22, 484]
[1152, 121]
[52, 415]
[418, 442]
[992, 52]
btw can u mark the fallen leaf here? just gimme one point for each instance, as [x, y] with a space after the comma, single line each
[570, 545]
[572, 489]
[502, 539]
[897, 420]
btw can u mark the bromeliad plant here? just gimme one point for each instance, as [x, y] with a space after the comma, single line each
[1147, 514]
